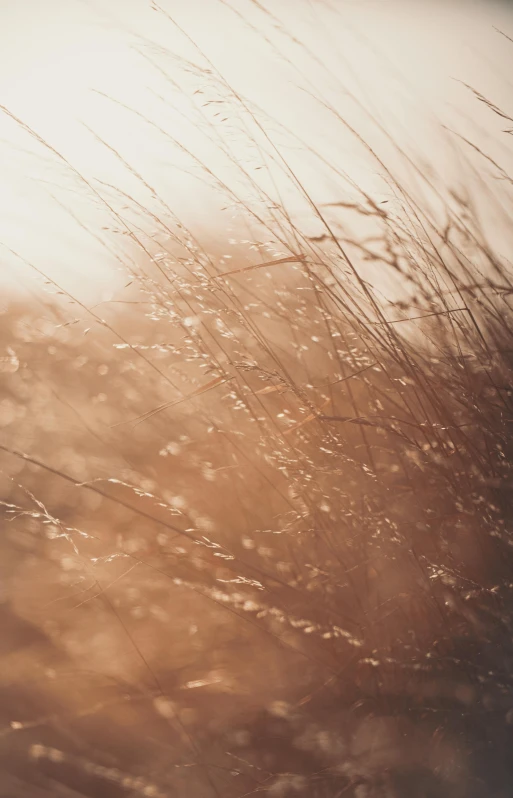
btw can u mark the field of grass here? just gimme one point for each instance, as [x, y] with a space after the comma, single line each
[256, 515]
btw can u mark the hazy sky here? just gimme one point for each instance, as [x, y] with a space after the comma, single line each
[398, 57]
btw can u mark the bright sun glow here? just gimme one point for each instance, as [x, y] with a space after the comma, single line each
[119, 97]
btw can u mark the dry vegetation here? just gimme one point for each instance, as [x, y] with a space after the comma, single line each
[256, 517]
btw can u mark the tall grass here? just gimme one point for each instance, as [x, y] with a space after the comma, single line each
[257, 518]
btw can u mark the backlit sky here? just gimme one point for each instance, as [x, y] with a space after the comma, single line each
[399, 58]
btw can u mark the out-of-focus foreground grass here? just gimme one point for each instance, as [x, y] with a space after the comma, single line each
[256, 525]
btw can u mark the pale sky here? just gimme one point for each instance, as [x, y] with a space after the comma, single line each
[399, 57]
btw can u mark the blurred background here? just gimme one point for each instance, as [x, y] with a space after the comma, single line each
[255, 532]
[106, 84]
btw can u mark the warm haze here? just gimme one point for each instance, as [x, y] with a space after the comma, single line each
[256, 399]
